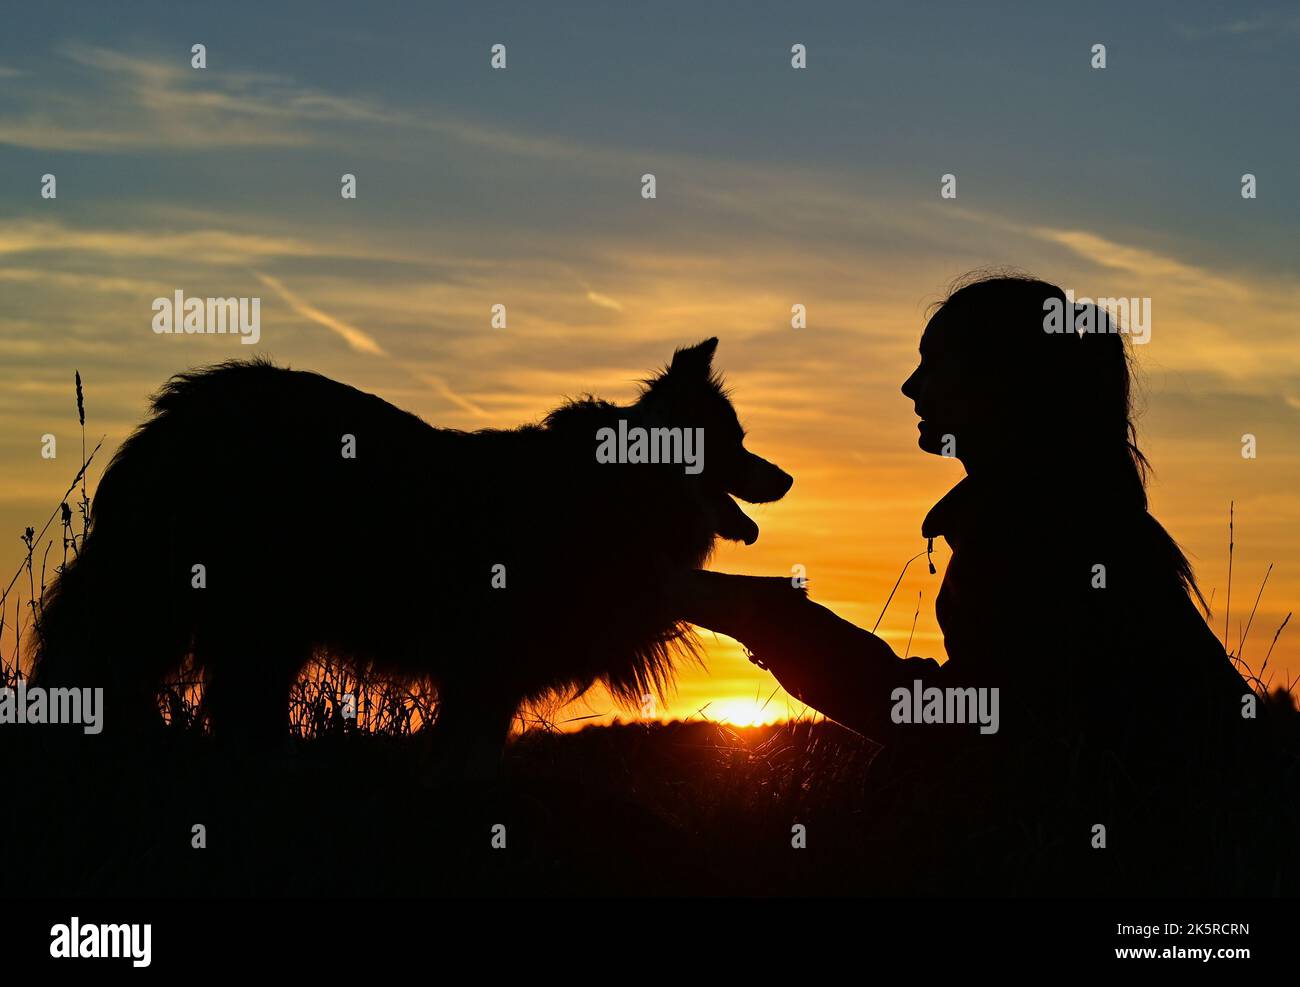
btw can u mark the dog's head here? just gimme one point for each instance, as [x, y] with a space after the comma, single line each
[689, 394]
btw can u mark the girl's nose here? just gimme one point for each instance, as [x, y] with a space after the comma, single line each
[909, 385]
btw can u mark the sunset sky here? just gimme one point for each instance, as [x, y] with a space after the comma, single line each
[775, 186]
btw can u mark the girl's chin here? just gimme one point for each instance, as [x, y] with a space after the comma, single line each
[929, 433]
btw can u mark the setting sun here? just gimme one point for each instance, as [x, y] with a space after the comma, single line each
[741, 712]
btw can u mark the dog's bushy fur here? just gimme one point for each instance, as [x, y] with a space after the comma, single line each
[390, 554]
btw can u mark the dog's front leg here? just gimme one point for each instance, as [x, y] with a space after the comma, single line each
[469, 736]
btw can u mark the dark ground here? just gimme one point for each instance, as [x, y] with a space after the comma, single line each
[683, 808]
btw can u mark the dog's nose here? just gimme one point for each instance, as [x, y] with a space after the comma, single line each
[759, 482]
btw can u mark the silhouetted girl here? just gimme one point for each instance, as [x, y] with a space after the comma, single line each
[1115, 702]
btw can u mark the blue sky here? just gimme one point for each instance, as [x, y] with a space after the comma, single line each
[1192, 95]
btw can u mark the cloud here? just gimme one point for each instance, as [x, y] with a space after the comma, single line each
[444, 390]
[1270, 23]
[196, 246]
[134, 102]
[362, 342]
[1148, 264]
[358, 339]
[603, 301]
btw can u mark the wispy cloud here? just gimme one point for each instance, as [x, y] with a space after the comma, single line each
[603, 301]
[197, 246]
[1149, 264]
[1271, 22]
[135, 102]
[358, 339]
[443, 389]
[362, 342]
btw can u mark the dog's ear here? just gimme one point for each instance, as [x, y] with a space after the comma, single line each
[697, 359]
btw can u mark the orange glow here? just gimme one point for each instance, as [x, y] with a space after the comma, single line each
[741, 712]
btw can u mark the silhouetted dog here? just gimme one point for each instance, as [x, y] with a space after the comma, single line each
[500, 565]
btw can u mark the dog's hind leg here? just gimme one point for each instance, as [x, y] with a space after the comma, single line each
[87, 637]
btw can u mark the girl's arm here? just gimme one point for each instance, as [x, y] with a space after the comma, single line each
[835, 667]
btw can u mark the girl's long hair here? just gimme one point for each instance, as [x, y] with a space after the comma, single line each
[1022, 335]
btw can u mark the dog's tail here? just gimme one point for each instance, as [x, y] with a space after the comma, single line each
[114, 618]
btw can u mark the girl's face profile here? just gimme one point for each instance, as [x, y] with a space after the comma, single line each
[961, 413]
[938, 388]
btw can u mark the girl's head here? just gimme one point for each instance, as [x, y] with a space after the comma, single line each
[1006, 382]
[1009, 385]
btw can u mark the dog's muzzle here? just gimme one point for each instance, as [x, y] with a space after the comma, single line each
[756, 481]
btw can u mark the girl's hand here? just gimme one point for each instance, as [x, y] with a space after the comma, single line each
[838, 669]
